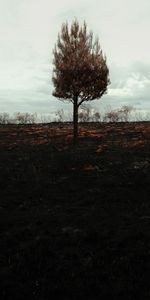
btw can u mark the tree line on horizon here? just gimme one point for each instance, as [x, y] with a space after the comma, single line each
[86, 114]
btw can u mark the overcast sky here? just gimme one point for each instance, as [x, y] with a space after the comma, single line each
[28, 32]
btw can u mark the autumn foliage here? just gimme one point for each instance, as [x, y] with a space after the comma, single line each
[80, 71]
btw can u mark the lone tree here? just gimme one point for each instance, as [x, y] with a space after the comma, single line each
[80, 71]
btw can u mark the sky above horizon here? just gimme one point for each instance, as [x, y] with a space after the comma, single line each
[28, 32]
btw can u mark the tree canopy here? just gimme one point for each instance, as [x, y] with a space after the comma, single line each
[80, 70]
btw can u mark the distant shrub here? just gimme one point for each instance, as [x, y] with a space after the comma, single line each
[112, 116]
[60, 116]
[97, 117]
[4, 118]
[25, 118]
[120, 115]
[88, 114]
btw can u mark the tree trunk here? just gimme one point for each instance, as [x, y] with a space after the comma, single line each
[75, 119]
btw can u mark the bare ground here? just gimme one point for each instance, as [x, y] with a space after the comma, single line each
[75, 220]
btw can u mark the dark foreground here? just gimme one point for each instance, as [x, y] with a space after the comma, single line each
[75, 221]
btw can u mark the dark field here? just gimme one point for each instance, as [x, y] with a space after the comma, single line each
[75, 220]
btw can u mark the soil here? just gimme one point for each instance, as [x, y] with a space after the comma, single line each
[75, 219]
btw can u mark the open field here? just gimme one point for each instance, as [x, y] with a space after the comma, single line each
[75, 220]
